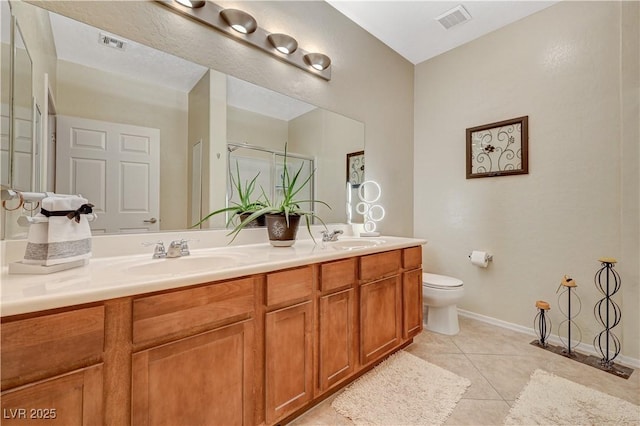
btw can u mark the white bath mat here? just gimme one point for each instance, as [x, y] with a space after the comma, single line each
[551, 400]
[402, 390]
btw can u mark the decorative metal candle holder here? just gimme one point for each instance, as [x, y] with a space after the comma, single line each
[607, 312]
[568, 283]
[542, 323]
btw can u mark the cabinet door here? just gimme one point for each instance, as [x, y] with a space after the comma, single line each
[289, 379]
[412, 303]
[71, 399]
[201, 380]
[337, 348]
[380, 318]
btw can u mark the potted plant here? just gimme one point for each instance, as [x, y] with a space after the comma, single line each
[245, 207]
[283, 217]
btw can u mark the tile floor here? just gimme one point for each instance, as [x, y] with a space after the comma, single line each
[498, 362]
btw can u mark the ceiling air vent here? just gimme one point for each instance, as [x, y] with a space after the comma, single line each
[107, 40]
[453, 17]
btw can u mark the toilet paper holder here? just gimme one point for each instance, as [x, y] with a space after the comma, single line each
[489, 257]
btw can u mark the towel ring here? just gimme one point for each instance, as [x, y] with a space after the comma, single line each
[20, 204]
[24, 206]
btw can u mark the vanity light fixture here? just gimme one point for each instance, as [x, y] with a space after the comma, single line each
[240, 21]
[283, 43]
[194, 4]
[317, 61]
[242, 26]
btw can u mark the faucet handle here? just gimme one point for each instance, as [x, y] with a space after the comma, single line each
[184, 247]
[158, 251]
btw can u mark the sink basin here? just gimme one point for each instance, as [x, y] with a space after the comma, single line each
[355, 243]
[181, 265]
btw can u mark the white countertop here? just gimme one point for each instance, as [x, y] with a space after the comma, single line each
[112, 277]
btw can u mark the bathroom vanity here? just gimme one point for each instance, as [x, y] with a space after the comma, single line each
[255, 340]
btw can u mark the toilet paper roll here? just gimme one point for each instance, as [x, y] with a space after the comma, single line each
[479, 258]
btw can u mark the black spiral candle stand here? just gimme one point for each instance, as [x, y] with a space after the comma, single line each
[568, 283]
[542, 323]
[607, 312]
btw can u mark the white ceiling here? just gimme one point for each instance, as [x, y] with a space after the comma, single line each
[410, 28]
[79, 43]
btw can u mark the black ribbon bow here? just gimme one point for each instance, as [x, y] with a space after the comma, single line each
[71, 214]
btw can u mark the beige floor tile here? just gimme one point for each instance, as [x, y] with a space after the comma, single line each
[322, 415]
[478, 412]
[436, 343]
[461, 365]
[499, 363]
[493, 340]
[507, 374]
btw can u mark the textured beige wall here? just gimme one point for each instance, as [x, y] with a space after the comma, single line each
[370, 82]
[579, 202]
[129, 101]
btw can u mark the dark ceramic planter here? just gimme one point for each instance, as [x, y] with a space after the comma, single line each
[259, 221]
[281, 235]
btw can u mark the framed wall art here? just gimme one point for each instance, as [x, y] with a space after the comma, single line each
[498, 149]
[355, 168]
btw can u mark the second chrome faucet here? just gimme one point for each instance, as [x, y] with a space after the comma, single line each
[331, 236]
[177, 248]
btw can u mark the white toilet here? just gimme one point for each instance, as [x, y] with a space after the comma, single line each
[441, 294]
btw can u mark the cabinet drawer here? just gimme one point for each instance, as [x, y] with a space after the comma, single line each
[375, 266]
[338, 274]
[288, 286]
[192, 310]
[50, 344]
[412, 257]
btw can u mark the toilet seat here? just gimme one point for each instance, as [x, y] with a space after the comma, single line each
[440, 281]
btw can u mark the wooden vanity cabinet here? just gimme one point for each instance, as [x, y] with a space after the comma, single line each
[197, 362]
[69, 399]
[252, 350]
[288, 338]
[337, 323]
[52, 370]
[380, 304]
[199, 380]
[412, 313]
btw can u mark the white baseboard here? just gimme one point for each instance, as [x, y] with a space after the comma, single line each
[554, 339]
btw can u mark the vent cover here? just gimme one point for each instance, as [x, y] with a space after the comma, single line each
[453, 17]
[107, 40]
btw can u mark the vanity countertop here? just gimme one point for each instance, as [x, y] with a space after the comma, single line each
[112, 277]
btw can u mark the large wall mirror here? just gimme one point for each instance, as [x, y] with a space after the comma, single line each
[175, 128]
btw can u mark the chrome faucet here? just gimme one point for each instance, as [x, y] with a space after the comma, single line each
[178, 248]
[331, 236]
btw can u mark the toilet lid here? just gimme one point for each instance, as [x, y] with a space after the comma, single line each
[440, 281]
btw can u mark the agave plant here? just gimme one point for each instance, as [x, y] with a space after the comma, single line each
[289, 205]
[245, 204]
